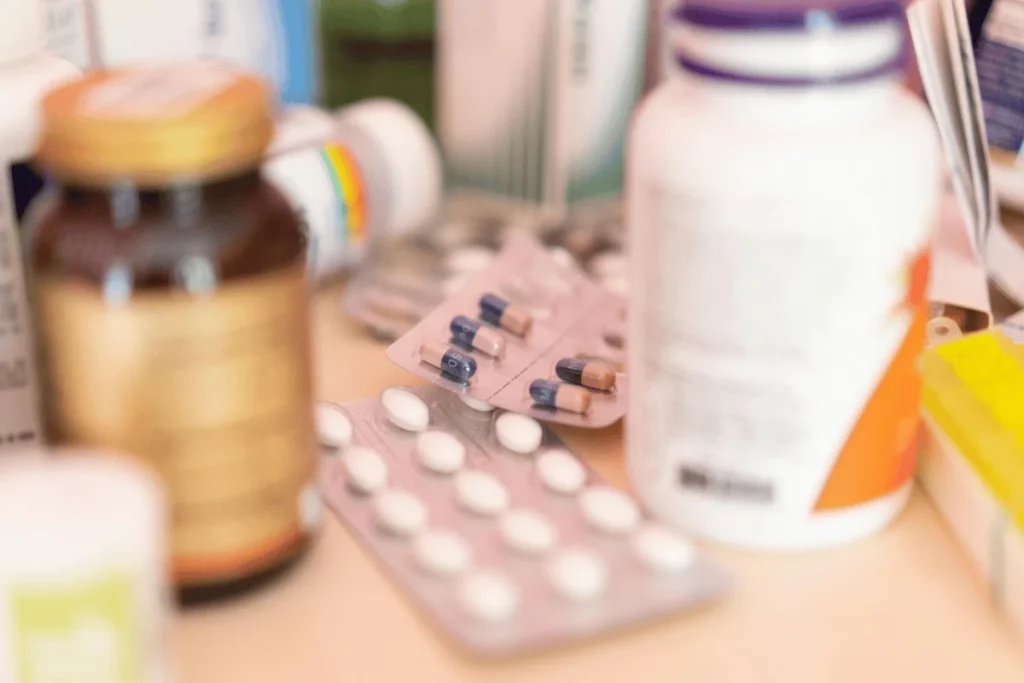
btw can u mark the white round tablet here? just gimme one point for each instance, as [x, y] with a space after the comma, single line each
[440, 452]
[405, 409]
[333, 427]
[476, 404]
[489, 596]
[560, 471]
[609, 509]
[311, 508]
[443, 553]
[562, 256]
[365, 469]
[455, 282]
[400, 512]
[528, 532]
[481, 493]
[518, 433]
[609, 264]
[616, 285]
[469, 259]
[663, 550]
[578, 575]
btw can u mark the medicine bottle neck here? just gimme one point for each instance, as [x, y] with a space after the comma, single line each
[805, 75]
[181, 203]
[160, 237]
[821, 105]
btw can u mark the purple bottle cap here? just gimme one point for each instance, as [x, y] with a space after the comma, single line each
[789, 16]
[786, 15]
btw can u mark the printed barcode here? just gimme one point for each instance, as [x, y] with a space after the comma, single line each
[18, 437]
[729, 486]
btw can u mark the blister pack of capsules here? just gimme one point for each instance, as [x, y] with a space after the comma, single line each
[529, 334]
[499, 534]
[406, 278]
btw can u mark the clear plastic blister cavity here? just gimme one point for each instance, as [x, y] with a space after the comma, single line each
[405, 278]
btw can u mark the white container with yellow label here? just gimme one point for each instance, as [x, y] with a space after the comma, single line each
[83, 587]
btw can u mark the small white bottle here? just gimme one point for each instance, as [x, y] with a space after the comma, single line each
[84, 570]
[378, 175]
[783, 189]
[27, 73]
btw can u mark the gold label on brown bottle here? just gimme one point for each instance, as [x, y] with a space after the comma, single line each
[213, 391]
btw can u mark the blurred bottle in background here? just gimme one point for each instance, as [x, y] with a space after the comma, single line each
[27, 72]
[535, 96]
[379, 48]
[376, 174]
[274, 38]
[67, 25]
[659, 42]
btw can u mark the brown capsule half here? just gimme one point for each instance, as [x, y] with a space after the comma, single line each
[588, 374]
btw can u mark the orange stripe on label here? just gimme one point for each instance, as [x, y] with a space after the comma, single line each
[880, 453]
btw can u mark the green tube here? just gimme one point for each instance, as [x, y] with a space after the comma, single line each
[379, 48]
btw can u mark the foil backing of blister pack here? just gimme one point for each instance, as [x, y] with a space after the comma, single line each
[404, 278]
[573, 317]
[634, 592]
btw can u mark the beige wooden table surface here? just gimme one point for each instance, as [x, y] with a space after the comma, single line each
[903, 606]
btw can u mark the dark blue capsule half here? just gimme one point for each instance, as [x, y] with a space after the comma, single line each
[489, 317]
[464, 329]
[570, 370]
[492, 305]
[544, 392]
[458, 365]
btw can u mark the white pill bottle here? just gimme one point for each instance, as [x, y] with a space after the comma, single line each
[377, 174]
[782, 193]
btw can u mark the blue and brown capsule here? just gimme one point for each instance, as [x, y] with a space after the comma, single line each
[496, 311]
[553, 394]
[449, 361]
[593, 375]
[471, 334]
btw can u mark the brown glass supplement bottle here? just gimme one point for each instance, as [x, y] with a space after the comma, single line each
[172, 310]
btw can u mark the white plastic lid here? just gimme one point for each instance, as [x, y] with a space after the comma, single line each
[22, 29]
[409, 156]
[76, 512]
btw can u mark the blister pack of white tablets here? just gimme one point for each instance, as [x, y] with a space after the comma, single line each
[500, 535]
[530, 335]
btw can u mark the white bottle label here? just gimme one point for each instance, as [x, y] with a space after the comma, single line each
[325, 186]
[19, 408]
[774, 346]
[67, 31]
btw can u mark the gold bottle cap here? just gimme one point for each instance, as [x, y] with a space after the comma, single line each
[154, 125]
